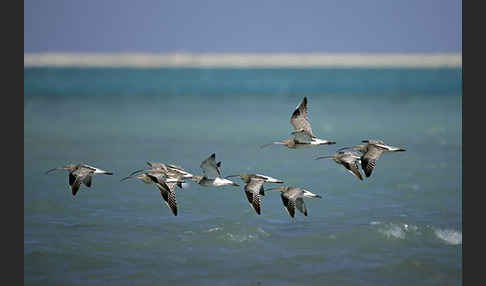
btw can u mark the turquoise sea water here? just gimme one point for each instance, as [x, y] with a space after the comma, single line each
[401, 226]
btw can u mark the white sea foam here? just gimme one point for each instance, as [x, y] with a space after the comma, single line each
[242, 237]
[410, 227]
[214, 229]
[393, 231]
[243, 59]
[449, 236]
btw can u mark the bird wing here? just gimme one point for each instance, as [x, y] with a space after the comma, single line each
[299, 202]
[79, 175]
[368, 160]
[254, 200]
[157, 165]
[350, 161]
[299, 118]
[254, 185]
[253, 190]
[168, 194]
[72, 178]
[76, 184]
[353, 169]
[210, 168]
[387, 147]
[289, 204]
[302, 136]
[84, 166]
[157, 177]
[249, 196]
[87, 181]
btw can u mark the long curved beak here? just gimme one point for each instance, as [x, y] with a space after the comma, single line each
[138, 171]
[277, 188]
[266, 145]
[276, 142]
[57, 168]
[343, 148]
[129, 177]
[325, 157]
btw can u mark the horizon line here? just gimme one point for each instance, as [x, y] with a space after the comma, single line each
[232, 59]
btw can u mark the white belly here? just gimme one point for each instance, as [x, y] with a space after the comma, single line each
[221, 182]
[317, 141]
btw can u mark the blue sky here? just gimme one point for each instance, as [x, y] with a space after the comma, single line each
[243, 26]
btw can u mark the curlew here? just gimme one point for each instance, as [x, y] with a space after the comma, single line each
[168, 194]
[156, 176]
[371, 151]
[245, 177]
[80, 173]
[166, 185]
[252, 191]
[302, 136]
[254, 187]
[168, 169]
[348, 159]
[211, 174]
[293, 197]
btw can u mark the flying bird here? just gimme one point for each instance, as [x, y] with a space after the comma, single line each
[168, 169]
[348, 159]
[245, 177]
[302, 136]
[80, 173]
[254, 187]
[156, 176]
[293, 197]
[167, 191]
[211, 174]
[371, 151]
[252, 191]
[166, 185]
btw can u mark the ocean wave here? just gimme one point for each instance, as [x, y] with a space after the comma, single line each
[410, 231]
[243, 237]
[214, 229]
[393, 230]
[450, 236]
